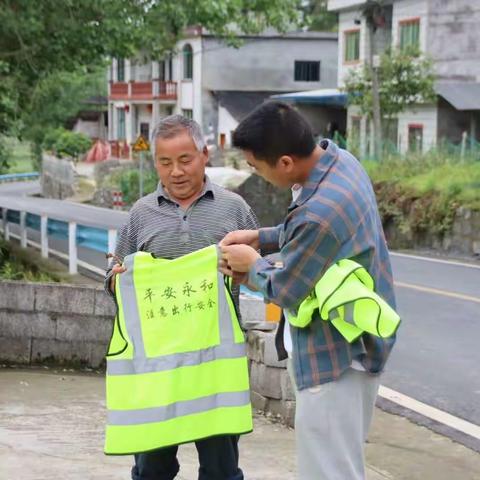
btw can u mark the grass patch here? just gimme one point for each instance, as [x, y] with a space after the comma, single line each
[20, 156]
[14, 265]
[420, 194]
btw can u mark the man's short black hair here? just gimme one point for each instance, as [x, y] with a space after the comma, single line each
[274, 129]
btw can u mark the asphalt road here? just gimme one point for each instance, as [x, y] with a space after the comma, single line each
[436, 358]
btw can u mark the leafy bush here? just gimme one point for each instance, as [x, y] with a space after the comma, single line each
[5, 154]
[66, 143]
[129, 184]
[15, 268]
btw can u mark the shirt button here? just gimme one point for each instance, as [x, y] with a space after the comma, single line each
[184, 217]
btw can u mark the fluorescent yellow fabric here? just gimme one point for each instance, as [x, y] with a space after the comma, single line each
[345, 296]
[176, 365]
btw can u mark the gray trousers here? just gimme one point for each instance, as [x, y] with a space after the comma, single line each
[331, 425]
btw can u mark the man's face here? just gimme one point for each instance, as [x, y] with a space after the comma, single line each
[277, 175]
[180, 166]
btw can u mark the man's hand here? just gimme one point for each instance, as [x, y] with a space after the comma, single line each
[238, 258]
[116, 269]
[239, 237]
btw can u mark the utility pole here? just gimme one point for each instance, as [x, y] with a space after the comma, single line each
[371, 12]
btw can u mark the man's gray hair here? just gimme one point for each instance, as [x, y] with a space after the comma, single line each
[172, 125]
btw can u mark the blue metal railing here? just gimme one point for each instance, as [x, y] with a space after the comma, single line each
[88, 237]
[19, 177]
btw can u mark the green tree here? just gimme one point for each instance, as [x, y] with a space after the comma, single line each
[319, 18]
[58, 97]
[45, 36]
[40, 38]
[405, 79]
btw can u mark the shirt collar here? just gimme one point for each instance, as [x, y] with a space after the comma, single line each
[323, 165]
[208, 190]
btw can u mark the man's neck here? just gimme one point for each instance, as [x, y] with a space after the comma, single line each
[306, 165]
[186, 202]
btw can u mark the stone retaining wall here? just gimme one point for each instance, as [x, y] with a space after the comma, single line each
[463, 239]
[54, 323]
[71, 325]
[270, 383]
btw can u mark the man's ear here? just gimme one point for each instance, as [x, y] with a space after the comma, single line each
[286, 163]
[206, 154]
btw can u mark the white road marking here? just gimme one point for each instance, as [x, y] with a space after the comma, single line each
[435, 260]
[437, 291]
[430, 412]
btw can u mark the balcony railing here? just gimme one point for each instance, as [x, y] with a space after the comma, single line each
[118, 89]
[141, 89]
[156, 89]
[167, 90]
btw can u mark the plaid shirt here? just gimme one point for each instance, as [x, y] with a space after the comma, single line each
[334, 217]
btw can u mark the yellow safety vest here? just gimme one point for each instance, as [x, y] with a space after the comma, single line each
[345, 296]
[176, 364]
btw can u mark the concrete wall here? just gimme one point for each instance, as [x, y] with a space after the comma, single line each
[407, 10]
[267, 64]
[54, 323]
[453, 39]
[346, 22]
[69, 324]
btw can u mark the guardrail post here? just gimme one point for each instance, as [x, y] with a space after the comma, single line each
[6, 233]
[44, 235]
[112, 240]
[23, 230]
[72, 248]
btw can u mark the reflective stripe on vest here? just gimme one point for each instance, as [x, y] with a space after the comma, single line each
[345, 296]
[176, 367]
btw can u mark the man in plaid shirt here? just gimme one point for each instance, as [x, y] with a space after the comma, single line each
[334, 216]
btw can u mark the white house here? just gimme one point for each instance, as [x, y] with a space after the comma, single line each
[215, 84]
[447, 32]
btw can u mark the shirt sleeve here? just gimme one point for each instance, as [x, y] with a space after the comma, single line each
[269, 239]
[308, 252]
[250, 221]
[126, 244]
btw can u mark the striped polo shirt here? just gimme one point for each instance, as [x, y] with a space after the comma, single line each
[158, 225]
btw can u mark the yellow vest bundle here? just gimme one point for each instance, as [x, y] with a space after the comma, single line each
[176, 363]
[345, 296]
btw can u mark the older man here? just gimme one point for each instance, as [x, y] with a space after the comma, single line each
[185, 213]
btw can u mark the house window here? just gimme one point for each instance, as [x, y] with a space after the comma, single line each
[410, 34]
[352, 45]
[187, 113]
[120, 124]
[415, 137]
[307, 71]
[187, 62]
[121, 70]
